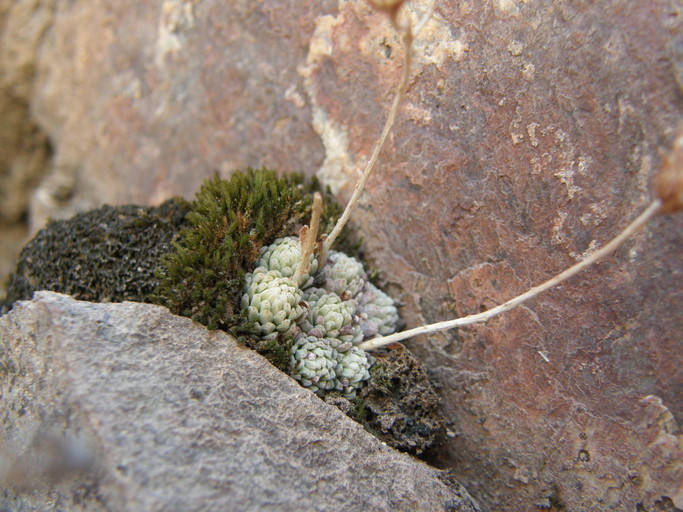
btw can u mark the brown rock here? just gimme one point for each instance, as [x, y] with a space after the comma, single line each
[536, 146]
[531, 134]
[24, 149]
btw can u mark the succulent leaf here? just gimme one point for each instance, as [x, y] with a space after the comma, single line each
[353, 368]
[284, 256]
[313, 363]
[342, 275]
[271, 303]
[378, 314]
[331, 317]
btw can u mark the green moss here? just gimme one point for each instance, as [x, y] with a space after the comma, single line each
[277, 351]
[229, 222]
[382, 378]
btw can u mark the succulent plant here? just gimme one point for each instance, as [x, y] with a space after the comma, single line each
[271, 303]
[342, 275]
[202, 275]
[313, 363]
[353, 368]
[284, 255]
[377, 312]
[331, 317]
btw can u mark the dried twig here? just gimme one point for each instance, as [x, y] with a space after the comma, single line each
[630, 230]
[308, 236]
[408, 37]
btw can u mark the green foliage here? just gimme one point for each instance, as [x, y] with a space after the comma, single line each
[382, 379]
[229, 222]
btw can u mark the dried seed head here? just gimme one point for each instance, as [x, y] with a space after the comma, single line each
[669, 183]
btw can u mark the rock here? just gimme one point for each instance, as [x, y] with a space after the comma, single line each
[531, 134]
[12, 240]
[127, 407]
[24, 148]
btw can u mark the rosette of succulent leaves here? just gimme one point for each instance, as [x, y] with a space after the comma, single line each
[238, 267]
[328, 306]
[251, 261]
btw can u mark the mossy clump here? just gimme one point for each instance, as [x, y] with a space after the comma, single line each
[109, 254]
[229, 222]
[398, 403]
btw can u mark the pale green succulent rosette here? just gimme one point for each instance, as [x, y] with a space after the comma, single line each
[330, 317]
[352, 370]
[313, 363]
[330, 320]
[343, 275]
[271, 303]
[377, 312]
[284, 255]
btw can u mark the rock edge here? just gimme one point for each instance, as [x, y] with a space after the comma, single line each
[127, 407]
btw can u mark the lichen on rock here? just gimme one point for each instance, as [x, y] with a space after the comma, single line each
[108, 254]
[398, 404]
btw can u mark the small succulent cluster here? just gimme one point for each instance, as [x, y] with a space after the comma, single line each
[329, 311]
[228, 224]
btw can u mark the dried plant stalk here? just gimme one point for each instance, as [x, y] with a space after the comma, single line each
[408, 37]
[669, 184]
[308, 236]
[616, 242]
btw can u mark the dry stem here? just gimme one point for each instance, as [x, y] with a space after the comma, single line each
[630, 230]
[308, 238]
[408, 38]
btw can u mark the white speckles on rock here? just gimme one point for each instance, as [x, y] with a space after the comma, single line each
[336, 169]
[176, 16]
[515, 48]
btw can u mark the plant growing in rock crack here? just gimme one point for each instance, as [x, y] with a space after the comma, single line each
[324, 301]
[237, 266]
[249, 259]
[299, 297]
[313, 309]
[307, 317]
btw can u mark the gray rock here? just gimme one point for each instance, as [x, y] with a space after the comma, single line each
[127, 407]
[531, 133]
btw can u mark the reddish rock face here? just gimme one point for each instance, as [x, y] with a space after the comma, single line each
[531, 147]
[530, 135]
